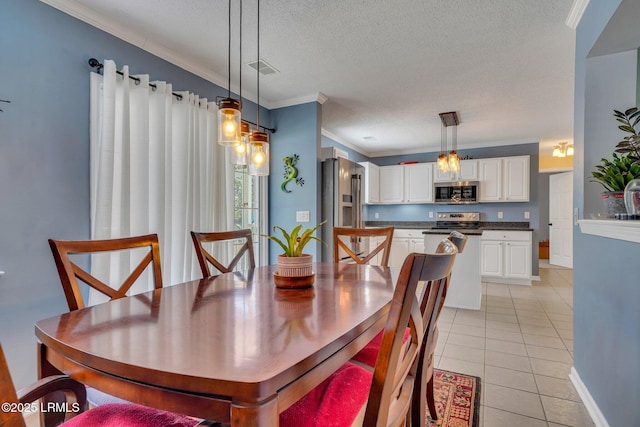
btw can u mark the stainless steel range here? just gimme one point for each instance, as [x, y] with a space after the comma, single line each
[457, 220]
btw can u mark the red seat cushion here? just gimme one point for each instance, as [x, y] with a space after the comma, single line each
[335, 402]
[129, 415]
[369, 354]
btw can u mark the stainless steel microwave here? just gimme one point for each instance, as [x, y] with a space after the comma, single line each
[456, 193]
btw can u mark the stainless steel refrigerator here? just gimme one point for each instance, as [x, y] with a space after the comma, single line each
[342, 187]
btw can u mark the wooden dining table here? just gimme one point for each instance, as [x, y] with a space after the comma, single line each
[232, 348]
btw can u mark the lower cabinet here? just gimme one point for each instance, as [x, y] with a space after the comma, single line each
[405, 242]
[505, 256]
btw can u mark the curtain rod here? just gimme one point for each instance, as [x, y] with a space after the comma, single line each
[94, 63]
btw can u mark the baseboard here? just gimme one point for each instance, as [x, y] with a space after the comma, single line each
[596, 415]
[535, 278]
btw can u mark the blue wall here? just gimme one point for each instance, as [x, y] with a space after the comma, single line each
[606, 291]
[354, 156]
[44, 155]
[298, 132]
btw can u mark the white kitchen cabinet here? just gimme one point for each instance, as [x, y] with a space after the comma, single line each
[505, 256]
[391, 184]
[468, 172]
[504, 179]
[371, 182]
[516, 179]
[418, 180]
[406, 183]
[405, 242]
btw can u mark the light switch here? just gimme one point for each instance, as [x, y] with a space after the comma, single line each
[302, 216]
[430, 214]
[526, 215]
[500, 215]
[376, 215]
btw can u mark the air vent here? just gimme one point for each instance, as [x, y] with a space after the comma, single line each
[263, 67]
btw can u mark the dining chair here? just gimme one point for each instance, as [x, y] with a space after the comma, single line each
[70, 272]
[205, 258]
[340, 243]
[111, 415]
[354, 395]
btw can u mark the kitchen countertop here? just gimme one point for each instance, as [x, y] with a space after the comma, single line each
[428, 226]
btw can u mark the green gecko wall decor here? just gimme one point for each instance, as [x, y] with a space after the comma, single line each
[290, 172]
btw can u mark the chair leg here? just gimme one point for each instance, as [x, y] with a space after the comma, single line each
[431, 403]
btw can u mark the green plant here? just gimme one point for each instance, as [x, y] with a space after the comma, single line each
[615, 175]
[630, 145]
[293, 243]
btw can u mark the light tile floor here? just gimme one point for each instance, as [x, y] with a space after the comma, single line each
[521, 344]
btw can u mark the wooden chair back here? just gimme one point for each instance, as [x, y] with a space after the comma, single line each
[340, 233]
[205, 258]
[71, 391]
[70, 272]
[8, 395]
[393, 378]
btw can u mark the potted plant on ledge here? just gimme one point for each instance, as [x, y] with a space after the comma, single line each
[295, 268]
[614, 176]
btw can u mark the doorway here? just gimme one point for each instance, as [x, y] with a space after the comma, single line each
[560, 219]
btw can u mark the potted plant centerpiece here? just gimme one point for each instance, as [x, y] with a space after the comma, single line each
[615, 174]
[295, 268]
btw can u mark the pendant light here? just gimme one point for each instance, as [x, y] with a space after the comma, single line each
[229, 109]
[239, 152]
[443, 162]
[449, 162]
[258, 141]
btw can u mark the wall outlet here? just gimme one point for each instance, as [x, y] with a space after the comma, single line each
[302, 216]
[430, 214]
[376, 215]
[526, 215]
[500, 215]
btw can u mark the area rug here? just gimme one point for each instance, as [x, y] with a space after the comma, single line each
[457, 400]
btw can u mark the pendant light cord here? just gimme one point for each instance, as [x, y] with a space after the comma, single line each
[258, 68]
[229, 57]
[240, 53]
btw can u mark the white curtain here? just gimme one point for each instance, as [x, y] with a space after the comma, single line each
[155, 168]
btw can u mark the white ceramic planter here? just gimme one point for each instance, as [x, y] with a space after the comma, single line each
[301, 266]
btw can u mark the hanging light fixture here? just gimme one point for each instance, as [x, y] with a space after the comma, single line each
[229, 116]
[239, 152]
[563, 149]
[451, 161]
[258, 141]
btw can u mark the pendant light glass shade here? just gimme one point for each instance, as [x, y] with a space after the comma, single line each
[443, 163]
[229, 122]
[454, 162]
[240, 152]
[258, 153]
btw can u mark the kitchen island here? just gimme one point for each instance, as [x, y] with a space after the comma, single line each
[465, 288]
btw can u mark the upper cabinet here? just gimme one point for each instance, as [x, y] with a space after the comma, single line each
[371, 182]
[392, 184]
[406, 183]
[504, 179]
[468, 172]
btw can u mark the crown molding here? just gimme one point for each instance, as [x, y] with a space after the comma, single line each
[317, 97]
[339, 140]
[575, 13]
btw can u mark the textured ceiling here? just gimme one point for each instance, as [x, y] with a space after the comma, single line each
[387, 67]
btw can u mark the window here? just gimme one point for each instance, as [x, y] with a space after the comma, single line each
[250, 211]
